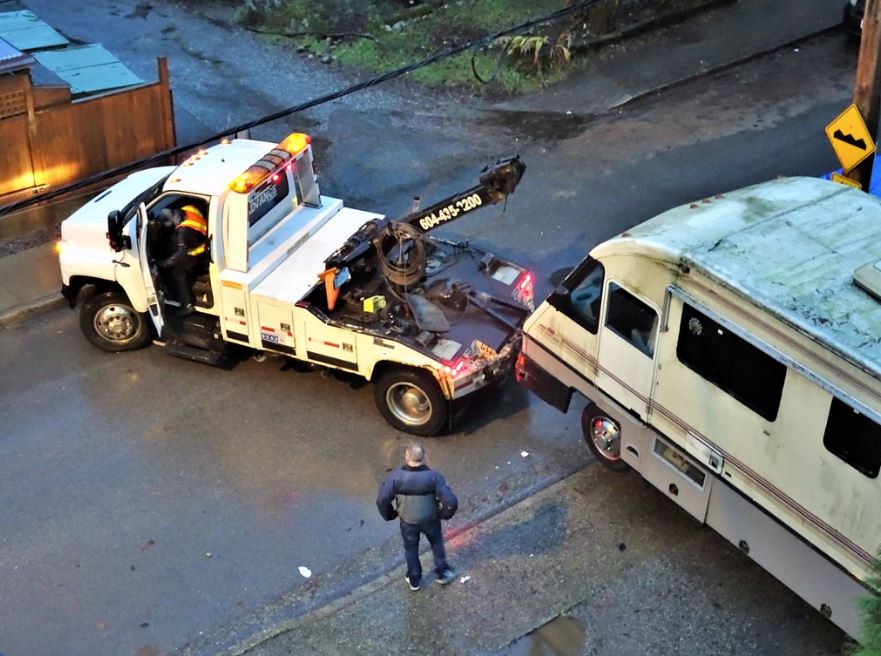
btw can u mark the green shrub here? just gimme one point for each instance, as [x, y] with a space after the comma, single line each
[871, 611]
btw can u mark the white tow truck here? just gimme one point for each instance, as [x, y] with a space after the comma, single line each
[296, 273]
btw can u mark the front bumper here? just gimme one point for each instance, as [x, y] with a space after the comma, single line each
[545, 386]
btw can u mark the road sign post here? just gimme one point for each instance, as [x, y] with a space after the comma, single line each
[867, 85]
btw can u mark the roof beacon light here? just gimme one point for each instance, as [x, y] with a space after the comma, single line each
[253, 176]
[295, 143]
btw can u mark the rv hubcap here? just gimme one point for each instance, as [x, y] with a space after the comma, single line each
[606, 437]
[408, 403]
[116, 323]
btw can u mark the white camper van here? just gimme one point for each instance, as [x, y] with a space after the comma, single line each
[730, 356]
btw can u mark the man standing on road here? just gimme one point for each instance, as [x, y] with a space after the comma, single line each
[420, 497]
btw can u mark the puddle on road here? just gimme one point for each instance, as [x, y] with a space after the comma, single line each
[547, 126]
[562, 636]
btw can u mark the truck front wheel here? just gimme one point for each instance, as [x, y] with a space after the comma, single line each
[411, 401]
[603, 436]
[109, 321]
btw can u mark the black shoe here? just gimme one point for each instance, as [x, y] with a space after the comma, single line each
[186, 310]
[446, 577]
[413, 583]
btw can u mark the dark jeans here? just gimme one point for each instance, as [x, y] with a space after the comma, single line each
[180, 274]
[411, 534]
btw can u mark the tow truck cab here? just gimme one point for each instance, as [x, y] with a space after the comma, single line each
[270, 232]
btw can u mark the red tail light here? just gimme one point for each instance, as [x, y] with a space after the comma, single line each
[523, 289]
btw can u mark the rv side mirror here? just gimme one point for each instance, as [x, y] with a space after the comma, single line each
[559, 298]
[117, 240]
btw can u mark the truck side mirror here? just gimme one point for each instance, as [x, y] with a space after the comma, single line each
[117, 240]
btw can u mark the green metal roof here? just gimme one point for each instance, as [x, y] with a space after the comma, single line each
[87, 69]
[12, 59]
[27, 31]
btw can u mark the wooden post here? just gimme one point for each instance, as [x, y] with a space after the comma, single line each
[603, 17]
[167, 101]
[867, 85]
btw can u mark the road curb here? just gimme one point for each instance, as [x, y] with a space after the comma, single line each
[38, 306]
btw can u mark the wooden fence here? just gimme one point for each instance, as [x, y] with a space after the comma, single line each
[48, 147]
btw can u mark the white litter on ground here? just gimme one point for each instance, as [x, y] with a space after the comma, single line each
[524, 453]
[305, 572]
[465, 579]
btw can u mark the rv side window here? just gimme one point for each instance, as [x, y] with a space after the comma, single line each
[631, 319]
[581, 295]
[731, 363]
[854, 438]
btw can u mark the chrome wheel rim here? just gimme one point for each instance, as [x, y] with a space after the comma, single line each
[117, 323]
[408, 403]
[606, 437]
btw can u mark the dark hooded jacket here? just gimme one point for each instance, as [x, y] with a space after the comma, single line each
[416, 495]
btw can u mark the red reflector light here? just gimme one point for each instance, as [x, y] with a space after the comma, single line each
[275, 178]
[454, 367]
[526, 281]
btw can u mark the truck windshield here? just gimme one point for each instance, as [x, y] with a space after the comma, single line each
[131, 207]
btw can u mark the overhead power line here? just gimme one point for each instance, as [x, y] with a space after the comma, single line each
[320, 100]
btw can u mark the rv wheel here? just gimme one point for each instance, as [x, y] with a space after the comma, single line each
[603, 436]
[411, 401]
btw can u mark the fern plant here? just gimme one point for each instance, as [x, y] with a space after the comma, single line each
[536, 52]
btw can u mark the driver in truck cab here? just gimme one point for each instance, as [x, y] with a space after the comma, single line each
[190, 244]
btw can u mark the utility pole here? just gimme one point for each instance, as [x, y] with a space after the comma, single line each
[867, 85]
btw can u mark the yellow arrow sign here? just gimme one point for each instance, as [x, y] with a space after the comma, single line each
[847, 182]
[850, 138]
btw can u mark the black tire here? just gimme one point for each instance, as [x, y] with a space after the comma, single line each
[596, 427]
[411, 401]
[109, 321]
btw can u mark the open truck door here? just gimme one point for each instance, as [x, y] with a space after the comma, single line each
[153, 305]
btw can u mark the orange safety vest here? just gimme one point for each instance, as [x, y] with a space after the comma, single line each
[193, 219]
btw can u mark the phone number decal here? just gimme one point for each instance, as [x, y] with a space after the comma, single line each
[450, 212]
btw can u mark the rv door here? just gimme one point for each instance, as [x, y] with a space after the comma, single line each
[626, 355]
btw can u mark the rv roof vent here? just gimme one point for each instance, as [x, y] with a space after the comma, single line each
[868, 277]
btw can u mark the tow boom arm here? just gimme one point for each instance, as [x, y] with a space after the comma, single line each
[497, 181]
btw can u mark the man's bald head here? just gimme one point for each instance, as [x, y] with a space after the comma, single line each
[414, 455]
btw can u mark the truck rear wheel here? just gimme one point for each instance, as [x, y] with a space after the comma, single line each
[109, 321]
[603, 437]
[411, 401]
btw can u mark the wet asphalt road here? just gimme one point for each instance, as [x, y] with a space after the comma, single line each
[122, 473]
[147, 497]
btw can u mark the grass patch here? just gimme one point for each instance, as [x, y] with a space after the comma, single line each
[401, 36]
